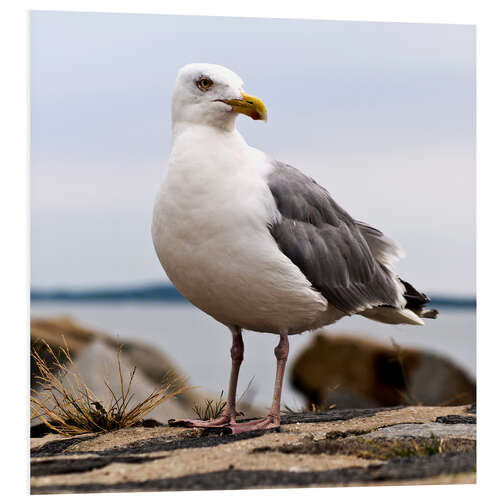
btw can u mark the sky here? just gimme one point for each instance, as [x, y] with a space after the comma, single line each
[380, 114]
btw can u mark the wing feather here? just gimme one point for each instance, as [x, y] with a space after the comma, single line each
[383, 248]
[346, 260]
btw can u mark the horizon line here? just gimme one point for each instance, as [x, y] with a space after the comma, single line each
[168, 293]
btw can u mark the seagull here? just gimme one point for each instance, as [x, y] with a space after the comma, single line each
[257, 244]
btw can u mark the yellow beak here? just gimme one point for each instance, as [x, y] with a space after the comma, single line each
[250, 106]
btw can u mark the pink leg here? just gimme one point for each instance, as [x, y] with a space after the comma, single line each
[237, 358]
[273, 419]
[229, 414]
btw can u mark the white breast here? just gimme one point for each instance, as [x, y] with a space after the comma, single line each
[210, 231]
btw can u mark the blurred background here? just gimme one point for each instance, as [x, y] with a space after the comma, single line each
[381, 114]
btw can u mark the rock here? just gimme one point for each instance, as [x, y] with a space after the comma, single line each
[354, 372]
[63, 331]
[56, 333]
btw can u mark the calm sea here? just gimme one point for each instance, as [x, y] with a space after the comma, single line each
[200, 346]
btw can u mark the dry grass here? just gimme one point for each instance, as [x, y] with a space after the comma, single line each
[211, 409]
[68, 406]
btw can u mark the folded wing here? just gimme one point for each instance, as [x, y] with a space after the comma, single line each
[347, 261]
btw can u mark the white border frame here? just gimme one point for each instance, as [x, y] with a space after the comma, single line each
[15, 202]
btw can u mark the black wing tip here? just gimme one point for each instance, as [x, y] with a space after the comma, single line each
[429, 313]
[415, 301]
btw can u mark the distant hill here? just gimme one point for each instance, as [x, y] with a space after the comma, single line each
[152, 293]
[168, 293]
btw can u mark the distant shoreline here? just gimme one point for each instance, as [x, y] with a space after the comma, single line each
[168, 293]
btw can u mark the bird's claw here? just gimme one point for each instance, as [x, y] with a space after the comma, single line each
[228, 425]
[267, 423]
[201, 424]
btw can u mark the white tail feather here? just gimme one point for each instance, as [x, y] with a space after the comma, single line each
[392, 316]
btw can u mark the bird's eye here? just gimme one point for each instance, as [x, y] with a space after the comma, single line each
[204, 83]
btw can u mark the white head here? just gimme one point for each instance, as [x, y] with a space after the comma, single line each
[208, 94]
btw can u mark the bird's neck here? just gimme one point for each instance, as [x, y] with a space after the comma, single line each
[223, 123]
[206, 153]
[189, 134]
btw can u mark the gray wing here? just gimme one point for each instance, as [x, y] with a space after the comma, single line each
[332, 249]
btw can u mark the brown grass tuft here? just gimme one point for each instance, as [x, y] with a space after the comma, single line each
[210, 409]
[68, 406]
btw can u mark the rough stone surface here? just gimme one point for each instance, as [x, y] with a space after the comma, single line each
[334, 448]
[467, 431]
[233, 479]
[374, 448]
[457, 419]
